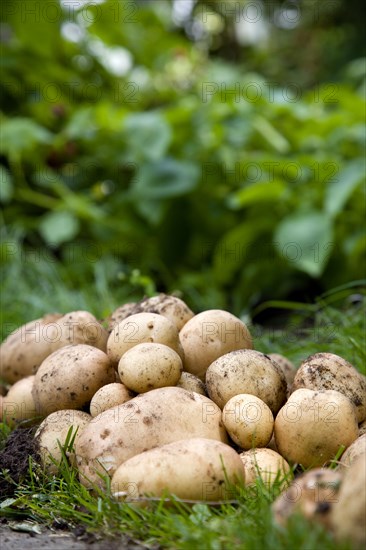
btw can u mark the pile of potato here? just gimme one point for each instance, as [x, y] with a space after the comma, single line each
[165, 401]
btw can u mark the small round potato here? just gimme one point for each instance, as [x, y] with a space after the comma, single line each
[246, 371]
[109, 396]
[69, 378]
[79, 327]
[248, 421]
[142, 328]
[355, 450]
[312, 426]
[191, 469]
[53, 433]
[210, 335]
[18, 404]
[25, 348]
[190, 382]
[267, 465]
[326, 371]
[146, 367]
[312, 494]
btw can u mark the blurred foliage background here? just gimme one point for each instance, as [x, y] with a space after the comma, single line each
[214, 148]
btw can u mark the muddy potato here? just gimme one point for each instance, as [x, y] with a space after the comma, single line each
[190, 382]
[287, 367]
[149, 366]
[18, 404]
[246, 371]
[248, 421]
[312, 426]
[192, 469]
[210, 335]
[348, 515]
[109, 396]
[79, 327]
[142, 328]
[356, 449]
[120, 314]
[312, 494]
[69, 378]
[53, 432]
[362, 428]
[326, 371]
[266, 464]
[25, 348]
[149, 420]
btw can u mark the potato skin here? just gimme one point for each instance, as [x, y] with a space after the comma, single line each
[266, 464]
[18, 404]
[210, 335]
[79, 327]
[327, 371]
[149, 420]
[287, 367]
[109, 396]
[26, 347]
[190, 382]
[246, 371]
[312, 426]
[191, 469]
[142, 328]
[69, 378]
[356, 449]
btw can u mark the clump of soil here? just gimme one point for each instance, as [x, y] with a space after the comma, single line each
[14, 458]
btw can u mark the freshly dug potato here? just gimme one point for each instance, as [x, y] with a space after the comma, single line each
[246, 371]
[362, 428]
[287, 367]
[109, 396]
[355, 450]
[266, 464]
[210, 335]
[313, 425]
[69, 378]
[18, 404]
[149, 366]
[190, 382]
[79, 327]
[149, 420]
[52, 433]
[191, 469]
[142, 328]
[326, 371]
[248, 421]
[120, 314]
[349, 512]
[312, 495]
[25, 348]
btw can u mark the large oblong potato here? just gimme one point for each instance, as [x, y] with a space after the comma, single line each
[312, 426]
[69, 378]
[141, 328]
[149, 366]
[327, 371]
[191, 469]
[149, 420]
[210, 335]
[248, 372]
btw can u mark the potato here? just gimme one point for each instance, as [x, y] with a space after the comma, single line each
[210, 335]
[287, 367]
[190, 382]
[265, 464]
[326, 371]
[69, 378]
[362, 428]
[142, 328]
[149, 420]
[79, 327]
[248, 421]
[52, 433]
[109, 396]
[18, 404]
[148, 366]
[312, 426]
[120, 314]
[246, 371]
[25, 348]
[348, 516]
[312, 494]
[356, 449]
[192, 469]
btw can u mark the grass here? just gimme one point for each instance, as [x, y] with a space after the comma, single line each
[336, 325]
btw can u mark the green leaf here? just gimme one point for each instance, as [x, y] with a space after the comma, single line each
[341, 188]
[272, 136]
[257, 192]
[6, 185]
[304, 240]
[21, 135]
[58, 227]
[148, 135]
